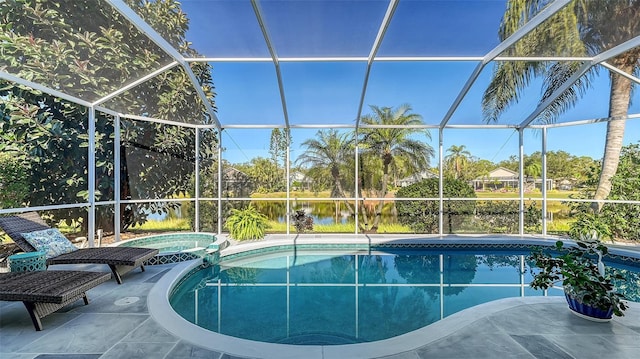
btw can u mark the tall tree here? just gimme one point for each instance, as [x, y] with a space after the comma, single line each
[278, 144]
[480, 169]
[264, 174]
[581, 168]
[559, 164]
[582, 28]
[457, 159]
[511, 163]
[332, 151]
[52, 43]
[532, 169]
[391, 143]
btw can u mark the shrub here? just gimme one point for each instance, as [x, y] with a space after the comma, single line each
[422, 216]
[503, 216]
[14, 182]
[615, 220]
[246, 224]
[588, 222]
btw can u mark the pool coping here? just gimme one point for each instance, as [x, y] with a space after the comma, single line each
[350, 241]
[218, 240]
[162, 312]
[175, 256]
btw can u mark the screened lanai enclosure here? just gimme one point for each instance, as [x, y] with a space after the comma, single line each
[429, 117]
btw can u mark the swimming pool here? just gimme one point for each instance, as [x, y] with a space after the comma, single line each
[333, 297]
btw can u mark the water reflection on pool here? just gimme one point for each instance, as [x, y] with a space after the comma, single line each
[326, 298]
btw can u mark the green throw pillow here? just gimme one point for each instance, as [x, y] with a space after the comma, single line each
[50, 241]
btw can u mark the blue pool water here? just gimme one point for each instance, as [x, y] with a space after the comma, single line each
[326, 298]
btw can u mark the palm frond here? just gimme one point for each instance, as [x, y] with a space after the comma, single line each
[558, 35]
[557, 75]
[508, 80]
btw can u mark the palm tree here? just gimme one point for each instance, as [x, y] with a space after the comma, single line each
[533, 170]
[458, 158]
[394, 144]
[330, 151]
[580, 29]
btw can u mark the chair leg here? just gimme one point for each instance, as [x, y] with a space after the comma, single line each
[114, 270]
[142, 267]
[31, 307]
[86, 300]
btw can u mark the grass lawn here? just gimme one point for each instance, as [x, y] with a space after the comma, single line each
[528, 195]
[169, 224]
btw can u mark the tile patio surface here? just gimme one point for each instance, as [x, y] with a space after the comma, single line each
[117, 324]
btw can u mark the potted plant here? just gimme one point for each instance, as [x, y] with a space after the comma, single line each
[587, 286]
[246, 223]
[302, 221]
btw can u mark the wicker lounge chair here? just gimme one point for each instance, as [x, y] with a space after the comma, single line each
[121, 260]
[44, 292]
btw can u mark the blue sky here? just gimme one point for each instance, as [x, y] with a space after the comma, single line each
[328, 93]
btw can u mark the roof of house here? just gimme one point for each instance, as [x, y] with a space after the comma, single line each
[500, 173]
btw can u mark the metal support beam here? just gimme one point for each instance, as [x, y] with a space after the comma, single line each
[165, 46]
[462, 94]
[289, 210]
[387, 59]
[274, 58]
[91, 176]
[116, 177]
[197, 181]
[157, 120]
[510, 41]
[620, 72]
[135, 83]
[220, 183]
[441, 181]
[613, 52]
[565, 86]
[544, 181]
[39, 87]
[393, 4]
[356, 186]
[521, 181]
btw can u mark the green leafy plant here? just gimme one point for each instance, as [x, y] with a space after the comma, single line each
[614, 221]
[582, 273]
[302, 221]
[422, 216]
[14, 182]
[503, 216]
[87, 55]
[589, 222]
[248, 223]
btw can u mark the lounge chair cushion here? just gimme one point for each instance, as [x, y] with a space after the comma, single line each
[50, 241]
[13, 226]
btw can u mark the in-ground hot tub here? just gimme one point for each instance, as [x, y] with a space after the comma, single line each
[177, 247]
